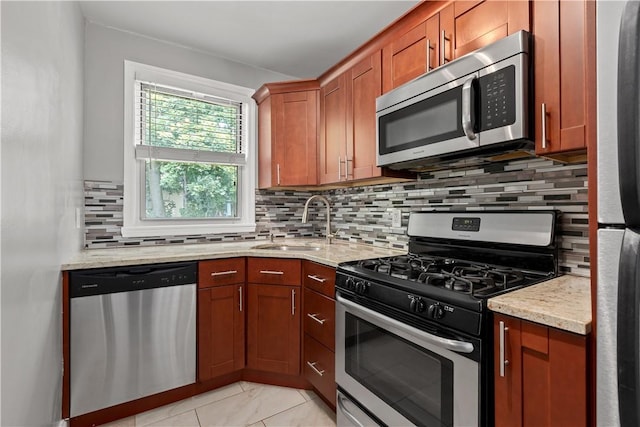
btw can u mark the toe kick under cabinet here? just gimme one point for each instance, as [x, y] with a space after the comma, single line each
[319, 329]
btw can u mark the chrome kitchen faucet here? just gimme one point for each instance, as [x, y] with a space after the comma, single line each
[305, 214]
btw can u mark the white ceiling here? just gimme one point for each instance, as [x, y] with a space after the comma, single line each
[298, 38]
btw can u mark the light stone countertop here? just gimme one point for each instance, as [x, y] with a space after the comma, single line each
[563, 303]
[331, 255]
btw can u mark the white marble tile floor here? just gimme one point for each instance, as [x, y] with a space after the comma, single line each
[240, 404]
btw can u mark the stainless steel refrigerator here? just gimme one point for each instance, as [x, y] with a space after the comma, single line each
[618, 289]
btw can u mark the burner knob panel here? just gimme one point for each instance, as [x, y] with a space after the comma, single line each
[436, 311]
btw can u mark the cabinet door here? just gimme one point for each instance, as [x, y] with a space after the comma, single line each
[295, 136]
[221, 325]
[364, 86]
[333, 131]
[319, 368]
[545, 378]
[508, 384]
[564, 76]
[479, 23]
[423, 48]
[273, 330]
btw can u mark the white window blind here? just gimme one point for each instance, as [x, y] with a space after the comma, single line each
[179, 125]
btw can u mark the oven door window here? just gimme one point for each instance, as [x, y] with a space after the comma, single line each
[414, 381]
[434, 119]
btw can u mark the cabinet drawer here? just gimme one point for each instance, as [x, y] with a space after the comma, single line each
[221, 272]
[274, 271]
[319, 317]
[319, 368]
[319, 277]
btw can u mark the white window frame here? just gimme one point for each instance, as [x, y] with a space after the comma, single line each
[134, 175]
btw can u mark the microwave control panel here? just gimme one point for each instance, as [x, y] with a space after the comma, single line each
[497, 98]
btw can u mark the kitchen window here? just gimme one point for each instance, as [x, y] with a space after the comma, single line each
[189, 159]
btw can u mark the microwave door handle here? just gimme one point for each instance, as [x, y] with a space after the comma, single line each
[467, 105]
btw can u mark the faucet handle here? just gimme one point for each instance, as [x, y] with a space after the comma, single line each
[271, 236]
[330, 237]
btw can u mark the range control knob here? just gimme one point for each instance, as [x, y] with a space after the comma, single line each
[435, 311]
[350, 283]
[361, 287]
[417, 304]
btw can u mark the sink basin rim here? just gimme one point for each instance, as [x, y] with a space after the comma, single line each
[286, 247]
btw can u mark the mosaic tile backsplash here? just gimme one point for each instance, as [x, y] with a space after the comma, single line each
[363, 214]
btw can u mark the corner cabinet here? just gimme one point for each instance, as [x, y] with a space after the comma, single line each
[319, 309]
[221, 317]
[565, 86]
[273, 329]
[287, 133]
[540, 375]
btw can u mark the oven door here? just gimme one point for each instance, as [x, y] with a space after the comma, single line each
[405, 375]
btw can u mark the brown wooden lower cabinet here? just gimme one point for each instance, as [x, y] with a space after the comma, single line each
[273, 329]
[221, 323]
[319, 368]
[544, 378]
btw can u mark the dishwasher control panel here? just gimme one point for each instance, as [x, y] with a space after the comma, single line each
[99, 281]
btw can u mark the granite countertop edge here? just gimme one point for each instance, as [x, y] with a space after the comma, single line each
[330, 255]
[563, 303]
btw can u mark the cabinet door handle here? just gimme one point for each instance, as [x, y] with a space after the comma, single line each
[240, 292]
[278, 173]
[278, 273]
[429, 48]
[443, 39]
[316, 278]
[544, 125]
[223, 273]
[315, 317]
[293, 302]
[312, 365]
[339, 168]
[346, 168]
[503, 362]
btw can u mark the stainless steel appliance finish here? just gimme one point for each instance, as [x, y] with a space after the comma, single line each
[466, 371]
[534, 228]
[348, 414]
[478, 103]
[133, 333]
[618, 292]
[413, 334]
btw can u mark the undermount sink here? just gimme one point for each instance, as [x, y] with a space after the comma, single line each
[284, 247]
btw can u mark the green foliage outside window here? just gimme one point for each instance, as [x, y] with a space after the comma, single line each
[178, 189]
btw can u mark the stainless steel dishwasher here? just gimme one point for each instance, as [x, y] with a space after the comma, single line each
[133, 333]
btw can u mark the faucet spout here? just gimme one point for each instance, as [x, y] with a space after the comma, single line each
[305, 214]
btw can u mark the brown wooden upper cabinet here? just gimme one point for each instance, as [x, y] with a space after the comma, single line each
[564, 44]
[287, 133]
[479, 23]
[422, 48]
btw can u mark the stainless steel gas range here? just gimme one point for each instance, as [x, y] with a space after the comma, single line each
[413, 334]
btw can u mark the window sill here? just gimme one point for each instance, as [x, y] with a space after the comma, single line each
[186, 230]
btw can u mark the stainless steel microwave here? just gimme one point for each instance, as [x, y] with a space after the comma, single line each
[477, 104]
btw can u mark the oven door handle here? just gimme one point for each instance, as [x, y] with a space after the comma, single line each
[449, 344]
[349, 415]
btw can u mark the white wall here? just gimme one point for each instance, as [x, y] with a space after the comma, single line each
[105, 52]
[42, 124]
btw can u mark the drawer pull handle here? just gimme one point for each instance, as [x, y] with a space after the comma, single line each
[503, 361]
[223, 273]
[314, 317]
[272, 272]
[316, 278]
[312, 365]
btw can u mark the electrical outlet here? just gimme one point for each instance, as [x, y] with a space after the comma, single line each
[396, 218]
